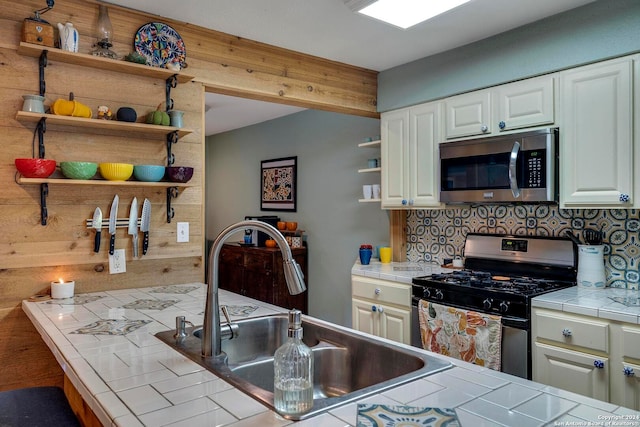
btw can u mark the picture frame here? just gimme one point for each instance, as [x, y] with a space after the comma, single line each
[278, 184]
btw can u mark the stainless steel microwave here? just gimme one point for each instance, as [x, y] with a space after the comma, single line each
[519, 167]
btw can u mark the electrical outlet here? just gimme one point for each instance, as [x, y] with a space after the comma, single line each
[117, 262]
[183, 232]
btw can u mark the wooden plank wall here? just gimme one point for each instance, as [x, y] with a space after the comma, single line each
[32, 255]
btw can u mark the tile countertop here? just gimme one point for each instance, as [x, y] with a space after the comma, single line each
[105, 343]
[396, 271]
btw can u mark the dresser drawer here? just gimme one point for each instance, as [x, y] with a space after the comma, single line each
[381, 291]
[572, 330]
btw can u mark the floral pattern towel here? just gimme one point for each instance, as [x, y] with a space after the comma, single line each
[463, 334]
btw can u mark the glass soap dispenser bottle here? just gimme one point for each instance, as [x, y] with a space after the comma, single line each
[293, 371]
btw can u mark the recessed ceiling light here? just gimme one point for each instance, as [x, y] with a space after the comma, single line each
[407, 13]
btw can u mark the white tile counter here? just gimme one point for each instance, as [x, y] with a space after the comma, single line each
[106, 345]
[396, 271]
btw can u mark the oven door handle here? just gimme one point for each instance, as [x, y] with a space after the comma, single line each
[513, 176]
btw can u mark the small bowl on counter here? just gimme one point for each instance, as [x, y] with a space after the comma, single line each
[35, 168]
[78, 170]
[116, 171]
[179, 173]
[148, 173]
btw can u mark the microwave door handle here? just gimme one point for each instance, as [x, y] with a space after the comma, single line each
[513, 162]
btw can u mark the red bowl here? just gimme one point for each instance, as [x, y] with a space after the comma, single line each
[35, 168]
[179, 173]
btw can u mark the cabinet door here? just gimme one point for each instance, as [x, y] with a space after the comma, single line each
[596, 140]
[395, 168]
[468, 114]
[526, 103]
[424, 138]
[364, 319]
[571, 370]
[630, 384]
[395, 324]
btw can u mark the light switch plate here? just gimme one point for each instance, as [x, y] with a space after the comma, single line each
[183, 232]
[117, 262]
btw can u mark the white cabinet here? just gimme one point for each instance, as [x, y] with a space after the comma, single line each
[596, 136]
[410, 138]
[381, 308]
[571, 352]
[525, 103]
[625, 366]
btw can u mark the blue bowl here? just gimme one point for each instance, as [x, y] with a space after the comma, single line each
[148, 173]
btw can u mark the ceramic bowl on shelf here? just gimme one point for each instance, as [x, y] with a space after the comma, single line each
[148, 173]
[35, 168]
[78, 170]
[116, 171]
[179, 173]
[292, 226]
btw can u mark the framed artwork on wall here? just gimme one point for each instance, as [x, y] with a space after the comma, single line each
[278, 186]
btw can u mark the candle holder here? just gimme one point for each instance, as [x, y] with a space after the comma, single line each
[62, 289]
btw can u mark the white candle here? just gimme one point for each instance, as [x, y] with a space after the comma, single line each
[62, 289]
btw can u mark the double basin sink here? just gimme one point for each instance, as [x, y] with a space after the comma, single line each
[347, 365]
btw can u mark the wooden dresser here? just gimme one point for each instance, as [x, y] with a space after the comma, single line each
[258, 273]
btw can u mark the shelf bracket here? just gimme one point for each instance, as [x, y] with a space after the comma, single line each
[171, 83]
[172, 193]
[172, 138]
[42, 63]
[41, 128]
[44, 192]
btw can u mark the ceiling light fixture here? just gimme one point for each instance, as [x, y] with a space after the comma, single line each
[403, 13]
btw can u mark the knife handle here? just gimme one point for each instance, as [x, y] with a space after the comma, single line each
[145, 243]
[112, 244]
[96, 242]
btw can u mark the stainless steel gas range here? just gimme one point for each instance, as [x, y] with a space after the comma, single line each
[501, 275]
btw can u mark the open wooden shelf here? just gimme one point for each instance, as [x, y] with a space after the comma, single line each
[120, 66]
[64, 181]
[142, 130]
[370, 144]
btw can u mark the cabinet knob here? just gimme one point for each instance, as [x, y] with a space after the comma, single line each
[377, 291]
[410, 202]
[484, 128]
[628, 372]
[598, 364]
[379, 309]
[373, 308]
[502, 125]
[624, 198]
[566, 332]
[404, 202]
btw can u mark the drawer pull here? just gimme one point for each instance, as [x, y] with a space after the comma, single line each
[377, 291]
[628, 372]
[598, 364]
[373, 308]
[566, 332]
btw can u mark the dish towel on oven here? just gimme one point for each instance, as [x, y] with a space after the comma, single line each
[463, 334]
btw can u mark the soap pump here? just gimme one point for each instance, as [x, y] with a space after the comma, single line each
[293, 371]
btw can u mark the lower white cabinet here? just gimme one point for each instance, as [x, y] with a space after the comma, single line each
[594, 357]
[381, 308]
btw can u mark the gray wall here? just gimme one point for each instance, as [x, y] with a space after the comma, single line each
[599, 30]
[329, 187]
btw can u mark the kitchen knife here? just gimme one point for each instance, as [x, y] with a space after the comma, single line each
[133, 225]
[144, 225]
[97, 225]
[113, 219]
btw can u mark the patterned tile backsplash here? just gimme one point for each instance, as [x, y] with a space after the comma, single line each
[436, 234]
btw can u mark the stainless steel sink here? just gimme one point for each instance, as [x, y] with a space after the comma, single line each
[347, 365]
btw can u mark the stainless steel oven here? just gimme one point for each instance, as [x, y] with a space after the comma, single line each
[519, 167]
[501, 275]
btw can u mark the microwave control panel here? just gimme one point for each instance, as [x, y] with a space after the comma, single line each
[534, 169]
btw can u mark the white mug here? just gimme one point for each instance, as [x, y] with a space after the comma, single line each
[376, 191]
[367, 191]
[457, 262]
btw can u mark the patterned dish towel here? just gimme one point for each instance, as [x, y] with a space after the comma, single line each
[375, 415]
[463, 334]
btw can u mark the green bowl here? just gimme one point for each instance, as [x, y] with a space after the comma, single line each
[78, 170]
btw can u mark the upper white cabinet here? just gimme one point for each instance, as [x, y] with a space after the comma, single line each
[596, 136]
[526, 103]
[409, 151]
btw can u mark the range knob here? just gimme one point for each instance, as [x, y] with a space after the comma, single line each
[504, 307]
[426, 293]
[487, 303]
[439, 294]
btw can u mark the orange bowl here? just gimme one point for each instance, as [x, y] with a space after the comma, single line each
[282, 225]
[292, 226]
[35, 168]
[270, 243]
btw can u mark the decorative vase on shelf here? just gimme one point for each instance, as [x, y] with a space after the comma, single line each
[175, 117]
[104, 34]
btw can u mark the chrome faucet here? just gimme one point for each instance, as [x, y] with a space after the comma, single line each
[212, 336]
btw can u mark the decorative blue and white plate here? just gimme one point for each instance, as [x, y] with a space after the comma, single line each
[160, 45]
[374, 415]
